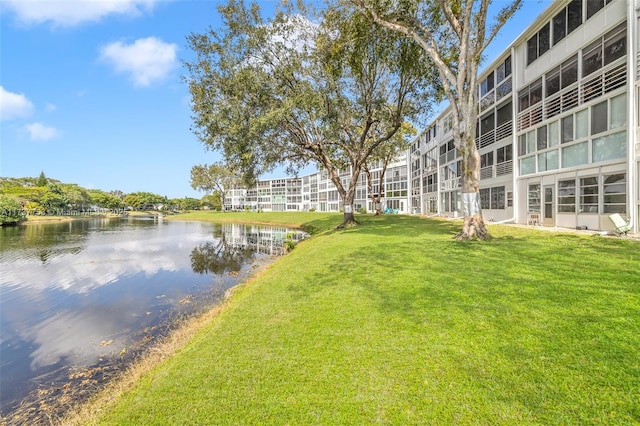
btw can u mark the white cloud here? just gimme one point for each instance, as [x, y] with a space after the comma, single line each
[67, 13]
[40, 132]
[51, 107]
[14, 105]
[146, 61]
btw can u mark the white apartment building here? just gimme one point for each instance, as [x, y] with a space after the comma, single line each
[317, 192]
[557, 132]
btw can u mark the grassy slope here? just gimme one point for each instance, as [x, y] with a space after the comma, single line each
[315, 220]
[394, 322]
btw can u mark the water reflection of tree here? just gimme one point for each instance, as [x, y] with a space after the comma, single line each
[45, 241]
[219, 257]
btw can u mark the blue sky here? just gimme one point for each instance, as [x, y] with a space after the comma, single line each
[91, 90]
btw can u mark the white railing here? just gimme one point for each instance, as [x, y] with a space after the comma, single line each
[504, 168]
[606, 80]
[504, 130]
[451, 184]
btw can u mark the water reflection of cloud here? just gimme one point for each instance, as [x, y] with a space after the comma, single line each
[103, 284]
[105, 259]
[74, 336]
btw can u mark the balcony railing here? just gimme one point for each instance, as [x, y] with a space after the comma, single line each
[606, 80]
[504, 168]
[503, 131]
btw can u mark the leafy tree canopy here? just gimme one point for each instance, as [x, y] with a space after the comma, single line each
[454, 34]
[303, 87]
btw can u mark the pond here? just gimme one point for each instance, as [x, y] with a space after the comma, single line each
[79, 293]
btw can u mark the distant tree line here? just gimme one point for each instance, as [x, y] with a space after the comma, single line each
[43, 195]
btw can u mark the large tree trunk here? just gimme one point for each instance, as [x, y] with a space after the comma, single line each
[347, 203]
[377, 205]
[473, 226]
[349, 218]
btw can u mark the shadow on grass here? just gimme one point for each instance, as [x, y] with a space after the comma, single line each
[550, 320]
[408, 264]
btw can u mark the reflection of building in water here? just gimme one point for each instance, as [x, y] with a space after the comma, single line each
[264, 239]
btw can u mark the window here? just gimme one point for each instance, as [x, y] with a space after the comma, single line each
[615, 44]
[569, 72]
[527, 143]
[528, 165]
[582, 124]
[531, 95]
[615, 193]
[599, 118]
[487, 85]
[559, 26]
[504, 114]
[504, 70]
[552, 80]
[535, 95]
[592, 58]
[567, 129]
[610, 147]
[574, 15]
[485, 198]
[487, 124]
[534, 198]
[447, 123]
[567, 196]
[486, 160]
[504, 154]
[589, 195]
[497, 197]
[523, 99]
[492, 198]
[538, 44]
[605, 50]
[575, 155]
[554, 139]
[544, 40]
[532, 49]
[431, 184]
[618, 115]
[541, 138]
[567, 20]
[503, 89]
[548, 161]
[593, 6]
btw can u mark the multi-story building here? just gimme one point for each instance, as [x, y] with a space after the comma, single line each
[557, 131]
[317, 192]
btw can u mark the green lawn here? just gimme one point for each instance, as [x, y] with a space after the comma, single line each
[314, 221]
[394, 322]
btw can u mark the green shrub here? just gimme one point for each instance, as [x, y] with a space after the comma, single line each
[10, 210]
[289, 243]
